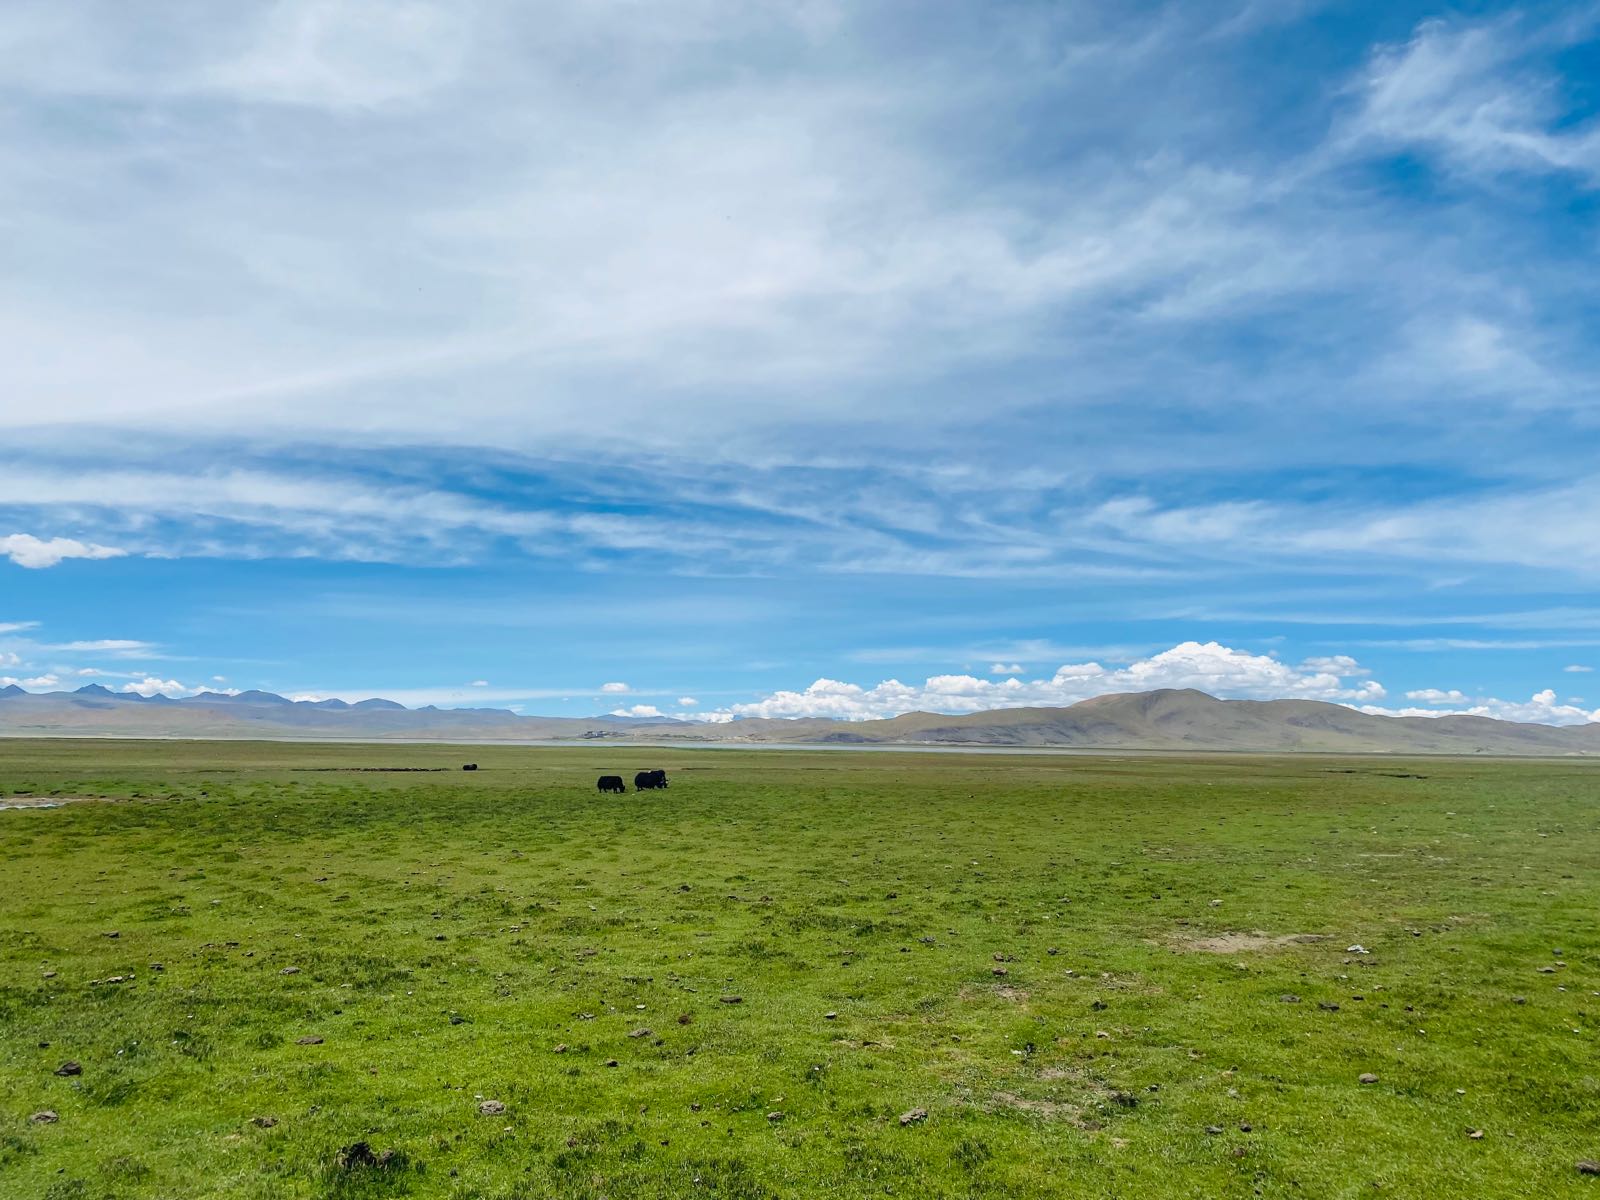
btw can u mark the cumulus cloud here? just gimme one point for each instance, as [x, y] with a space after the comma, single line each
[28, 551]
[9, 659]
[37, 683]
[1004, 669]
[637, 710]
[1209, 667]
[1542, 708]
[687, 702]
[1577, 669]
[1435, 696]
[150, 685]
[614, 687]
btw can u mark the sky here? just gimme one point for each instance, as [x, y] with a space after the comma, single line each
[802, 357]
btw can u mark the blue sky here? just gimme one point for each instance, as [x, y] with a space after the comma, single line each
[954, 356]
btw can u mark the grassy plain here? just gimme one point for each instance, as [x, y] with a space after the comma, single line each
[445, 933]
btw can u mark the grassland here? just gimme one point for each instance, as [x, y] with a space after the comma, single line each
[1156, 1030]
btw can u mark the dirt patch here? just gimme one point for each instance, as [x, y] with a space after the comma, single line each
[47, 801]
[1244, 943]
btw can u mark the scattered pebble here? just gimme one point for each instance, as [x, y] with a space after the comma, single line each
[639, 1033]
[912, 1117]
[492, 1108]
[48, 1117]
[731, 999]
[263, 1122]
[309, 1040]
[70, 1067]
[1367, 1077]
[290, 971]
[774, 1116]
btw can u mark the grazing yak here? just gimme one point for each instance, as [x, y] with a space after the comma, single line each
[645, 780]
[469, 766]
[611, 783]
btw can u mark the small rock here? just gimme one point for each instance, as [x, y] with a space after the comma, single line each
[1289, 998]
[310, 1039]
[290, 971]
[731, 999]
[1239, 1151]
[48, 1117]
[774, 1116]
[1476, 1135]
[1101, 1033]
[1244, 1127]
[1001, 971]
[70, 1067]
[561, 1048]
[1358, 948]
[1327, 1006]
[492, 1108]
[112, 933]
[639, 1033]
[830, 1016]
[611, 1062]
[1366, 1077]
[1585, 1166]
[1213, 1130]
[912, 1117]
[263, 1122]
[1519, 999]
[49, 975]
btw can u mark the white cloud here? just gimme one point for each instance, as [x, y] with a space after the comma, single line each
[17, 626]
[219, 679]
[1577, 669]
[637, 710]
[9, 659]
[38, 682]
[150, 685]
[687, 702]
[1541, 708]
[1004, 669]
[1435, 696]
[1208, 667]
[480, 683]
[614, 687]
[28, 551]
[1469, 93]
[120, 646]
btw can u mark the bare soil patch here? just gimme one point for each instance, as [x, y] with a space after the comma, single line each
[1244, 943]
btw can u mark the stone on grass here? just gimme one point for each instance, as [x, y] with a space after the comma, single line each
[263, 1122]
[731, 999]
[912, 1117]
[310, 1039]
[290, 971]
[1366, 1077]
[774, 1117]
[639, 1033]
[47, 1117]
[1586, 1166]
[70, 1067]
[492, 1108]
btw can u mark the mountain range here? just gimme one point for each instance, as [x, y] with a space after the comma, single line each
[1169, 719]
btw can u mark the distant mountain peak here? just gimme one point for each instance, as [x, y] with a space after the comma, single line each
[95, 689]
[12, 689]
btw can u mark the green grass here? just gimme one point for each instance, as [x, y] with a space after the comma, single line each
[450, 930]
